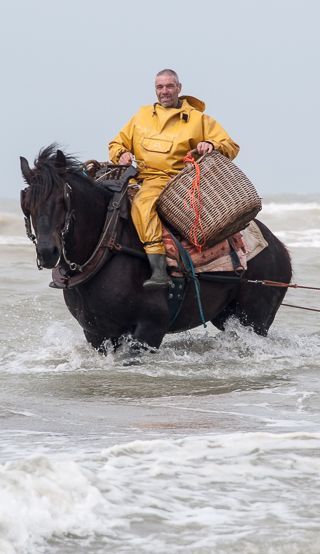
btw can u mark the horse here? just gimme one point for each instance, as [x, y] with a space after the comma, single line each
[67, 210]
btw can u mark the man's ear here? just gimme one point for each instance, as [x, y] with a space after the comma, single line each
[25, 169]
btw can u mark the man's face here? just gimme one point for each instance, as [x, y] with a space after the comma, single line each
[167, 91]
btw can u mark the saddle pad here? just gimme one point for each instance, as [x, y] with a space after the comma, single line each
[247, 244]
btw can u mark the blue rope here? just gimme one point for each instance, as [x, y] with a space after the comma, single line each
[188, 264]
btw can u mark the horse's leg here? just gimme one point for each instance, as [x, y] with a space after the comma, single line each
[75, 302]
[145, 335]
[148, 332]
[93, 339]
[257, 305]
[153, 321]
[99, 342]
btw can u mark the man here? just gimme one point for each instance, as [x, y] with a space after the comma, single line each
[159, 136]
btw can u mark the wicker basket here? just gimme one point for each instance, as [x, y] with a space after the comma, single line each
[228, 201]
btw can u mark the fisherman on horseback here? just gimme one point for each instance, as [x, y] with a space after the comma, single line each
[158, 137]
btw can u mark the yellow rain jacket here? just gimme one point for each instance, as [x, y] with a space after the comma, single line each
[159, 138]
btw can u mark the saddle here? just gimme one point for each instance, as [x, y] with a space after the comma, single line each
[230, 254]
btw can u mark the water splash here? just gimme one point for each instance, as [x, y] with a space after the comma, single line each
[237, 351]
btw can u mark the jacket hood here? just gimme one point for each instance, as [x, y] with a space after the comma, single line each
[194, 102]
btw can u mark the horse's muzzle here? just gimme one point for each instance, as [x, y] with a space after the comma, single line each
[48, 256]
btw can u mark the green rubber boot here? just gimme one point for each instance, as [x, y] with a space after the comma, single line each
[159, 277]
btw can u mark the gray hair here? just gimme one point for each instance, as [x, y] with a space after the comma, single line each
[169, 72]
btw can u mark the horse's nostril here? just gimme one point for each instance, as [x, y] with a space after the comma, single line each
[49, 256]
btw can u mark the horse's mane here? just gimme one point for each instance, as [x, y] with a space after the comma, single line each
[49, 173]
[47, 158]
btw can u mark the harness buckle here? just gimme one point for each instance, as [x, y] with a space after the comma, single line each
[112, 244]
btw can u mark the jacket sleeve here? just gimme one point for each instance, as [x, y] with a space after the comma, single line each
[214, 133]
[123, 142]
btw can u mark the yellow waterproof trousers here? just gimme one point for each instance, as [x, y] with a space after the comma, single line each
[145, 216]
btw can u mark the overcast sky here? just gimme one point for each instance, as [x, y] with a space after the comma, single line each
[74, 71]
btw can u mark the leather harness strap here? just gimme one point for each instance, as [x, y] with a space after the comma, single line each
[78, 274]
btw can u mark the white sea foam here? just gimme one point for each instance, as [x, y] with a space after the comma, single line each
[59, 348]
[216, 493]
[237, 351]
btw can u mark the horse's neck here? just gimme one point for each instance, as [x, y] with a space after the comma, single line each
[90, 206]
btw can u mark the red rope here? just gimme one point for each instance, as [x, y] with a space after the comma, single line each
[269, 283]
[197, 235]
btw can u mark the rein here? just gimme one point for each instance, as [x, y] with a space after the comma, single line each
[263, 282]
[301, 307]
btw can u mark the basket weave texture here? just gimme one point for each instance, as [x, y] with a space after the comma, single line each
[229, 201]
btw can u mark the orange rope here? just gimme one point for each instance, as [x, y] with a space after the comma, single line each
[195, 203]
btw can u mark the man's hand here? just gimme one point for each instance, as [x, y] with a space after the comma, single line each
[125, 158]
[204, 148]
[91, 167]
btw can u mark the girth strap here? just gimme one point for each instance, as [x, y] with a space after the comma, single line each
[188, 264]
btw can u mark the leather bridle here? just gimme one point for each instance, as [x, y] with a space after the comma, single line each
[70, 217]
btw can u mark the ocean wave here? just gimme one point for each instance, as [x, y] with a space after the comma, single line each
[275, 207]
[11, 223]
[208, 493]
[13, 240]
[303, 238]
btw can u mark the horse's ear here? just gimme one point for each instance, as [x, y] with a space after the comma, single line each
[61, 162]
[25, 169]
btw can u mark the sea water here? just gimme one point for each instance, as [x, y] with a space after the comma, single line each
[211, 445]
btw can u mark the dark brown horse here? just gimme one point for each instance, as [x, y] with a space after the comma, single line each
[68, 213]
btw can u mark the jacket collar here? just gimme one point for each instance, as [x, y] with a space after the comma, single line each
[186, 105]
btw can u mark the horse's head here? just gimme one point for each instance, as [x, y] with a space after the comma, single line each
[46, 202]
